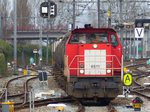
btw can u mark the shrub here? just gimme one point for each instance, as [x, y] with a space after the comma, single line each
[3, 65]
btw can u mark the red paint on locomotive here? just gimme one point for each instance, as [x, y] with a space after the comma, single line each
[91, 59]
[99, 58]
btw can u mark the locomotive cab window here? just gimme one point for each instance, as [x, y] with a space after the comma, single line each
[74, 39]
[113, 40]
[97, 38]
[78, 39]
[82, 38]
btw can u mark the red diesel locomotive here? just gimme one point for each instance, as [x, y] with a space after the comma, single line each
[91, 60]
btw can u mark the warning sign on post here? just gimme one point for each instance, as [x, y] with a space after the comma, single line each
[127, 79]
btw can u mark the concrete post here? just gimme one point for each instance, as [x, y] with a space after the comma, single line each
[98, 9]
[0, 27]
[74, 15]
[15, 35]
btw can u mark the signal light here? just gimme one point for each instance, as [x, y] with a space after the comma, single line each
[52, 9]
[48, 9]
[137, 100]
[133, 101]
[44, 10]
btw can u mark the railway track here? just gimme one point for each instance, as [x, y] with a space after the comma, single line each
[51, 101]
[134, 61]
[24, 95]
[39, 103]
[111, 108]
[138, 87]
[14, 95]
[24, 87]
[81, 108]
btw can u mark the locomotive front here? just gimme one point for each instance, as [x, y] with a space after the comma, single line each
[92, 63]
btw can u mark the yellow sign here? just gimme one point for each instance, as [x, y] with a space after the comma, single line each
[25, 72]
[108, 13]
[127, 79]
[125, 70]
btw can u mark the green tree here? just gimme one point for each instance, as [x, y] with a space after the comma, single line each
[3, 66]
[6, 49]
[5, 56]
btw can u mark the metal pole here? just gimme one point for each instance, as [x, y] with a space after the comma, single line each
[74, 16]
[130, 49]
[23, 61]
[32, 94]
[134, 51]
[48, 21]
[126, 49]
[40, 44]
[53, 47]
[5, 94]
[121, 33]
[0, 26]
[15, 35]
[52, 51]
[137, 52]
[142, 54]
[47, 51]
[147, 43]
[30, 101]
[98, 8]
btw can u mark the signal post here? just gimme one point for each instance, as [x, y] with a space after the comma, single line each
[127, 82]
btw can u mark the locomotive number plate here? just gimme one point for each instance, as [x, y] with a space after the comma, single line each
[95, 62]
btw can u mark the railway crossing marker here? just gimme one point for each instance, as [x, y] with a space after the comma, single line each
[126, 91]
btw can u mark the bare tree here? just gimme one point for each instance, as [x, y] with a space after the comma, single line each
[4, 8]
[4, 13]
[88, 9]
[23, 13]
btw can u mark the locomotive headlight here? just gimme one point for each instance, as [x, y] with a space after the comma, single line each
[108, 71]
[94, 45]
[81, 71]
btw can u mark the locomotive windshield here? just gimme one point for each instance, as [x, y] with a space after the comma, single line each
[85, 38]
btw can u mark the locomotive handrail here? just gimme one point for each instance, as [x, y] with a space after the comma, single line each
[93, 56]
[111, 68]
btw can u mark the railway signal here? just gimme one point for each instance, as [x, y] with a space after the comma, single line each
[53, 9]
[137, 103]
[44, 9]
[42, 76]
[127, 79]
[48, 9]
[139, 32]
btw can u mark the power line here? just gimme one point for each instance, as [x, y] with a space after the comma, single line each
[104, 1]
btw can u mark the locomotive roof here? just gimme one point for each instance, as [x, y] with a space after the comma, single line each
[93, 30]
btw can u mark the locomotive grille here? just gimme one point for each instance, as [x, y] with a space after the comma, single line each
[95, 62]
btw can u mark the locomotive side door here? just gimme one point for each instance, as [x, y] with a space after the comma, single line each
[116, 50]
